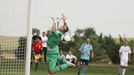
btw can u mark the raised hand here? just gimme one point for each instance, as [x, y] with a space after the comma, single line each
[64, 17]
[53, 19]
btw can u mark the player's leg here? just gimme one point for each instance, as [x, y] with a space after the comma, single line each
[124, 66]
[85, 67]
[123, 70]
[79, 65]
[120, 70]
[36, 64]
[62, 59]
[121, 67]
[52, 57]
[51, 61]
[52, 64]
[45, 50]
[65, 63]
[37, 60]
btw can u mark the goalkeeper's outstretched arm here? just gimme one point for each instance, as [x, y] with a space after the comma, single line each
[64, 19]
[54, 25]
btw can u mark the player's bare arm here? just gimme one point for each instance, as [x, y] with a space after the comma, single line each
[92, 54]
[64, 19]
[81, 52]
[129, 57]
[54, 25]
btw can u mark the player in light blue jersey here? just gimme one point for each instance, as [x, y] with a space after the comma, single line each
[85, 50]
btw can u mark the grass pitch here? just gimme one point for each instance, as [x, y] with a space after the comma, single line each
[98, 69]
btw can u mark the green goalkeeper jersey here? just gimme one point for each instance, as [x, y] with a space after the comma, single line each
[54, 38]
[52, 54]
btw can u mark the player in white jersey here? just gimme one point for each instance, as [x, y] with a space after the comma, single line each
[71, 58]
[44, 43]
[124, 54]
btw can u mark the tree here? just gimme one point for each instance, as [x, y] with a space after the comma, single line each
[104, 47]
[112, 49]
[131, 44]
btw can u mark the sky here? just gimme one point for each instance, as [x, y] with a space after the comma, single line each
[110, 17]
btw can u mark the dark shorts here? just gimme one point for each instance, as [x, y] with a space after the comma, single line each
[45, 49]
[44, 52]
[83, 61]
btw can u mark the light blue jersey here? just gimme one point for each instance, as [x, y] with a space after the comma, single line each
[85, 48]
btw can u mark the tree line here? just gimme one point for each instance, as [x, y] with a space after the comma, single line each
[106, 48]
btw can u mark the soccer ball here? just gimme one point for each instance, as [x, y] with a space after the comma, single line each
[67, 37]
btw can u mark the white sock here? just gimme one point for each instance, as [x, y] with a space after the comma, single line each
[120, 71]
[123, 71]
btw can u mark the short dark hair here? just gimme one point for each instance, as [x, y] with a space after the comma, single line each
[43, 32]
[65, 24]
[85, 38]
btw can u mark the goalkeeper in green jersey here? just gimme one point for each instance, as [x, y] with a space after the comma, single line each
[52, 54]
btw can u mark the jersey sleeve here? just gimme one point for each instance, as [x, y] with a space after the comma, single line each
[129, 50]
[120, 49]
[81, 48]
[74, 57]
[91, 47]
[67, 56]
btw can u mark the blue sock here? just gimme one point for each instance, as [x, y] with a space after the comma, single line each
[84, 70]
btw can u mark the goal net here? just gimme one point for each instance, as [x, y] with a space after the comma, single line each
[13, 37]
[12, 55]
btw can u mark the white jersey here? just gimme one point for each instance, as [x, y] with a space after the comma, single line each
[124, 50]
[70, 57]
[44, 38]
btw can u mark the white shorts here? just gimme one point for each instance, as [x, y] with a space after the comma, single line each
[124, 62]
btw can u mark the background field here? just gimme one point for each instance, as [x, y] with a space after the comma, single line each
[93, 69]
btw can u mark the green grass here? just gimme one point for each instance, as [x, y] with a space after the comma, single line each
[92, 70]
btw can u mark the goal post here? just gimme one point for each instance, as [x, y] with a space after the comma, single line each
[29, 36]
